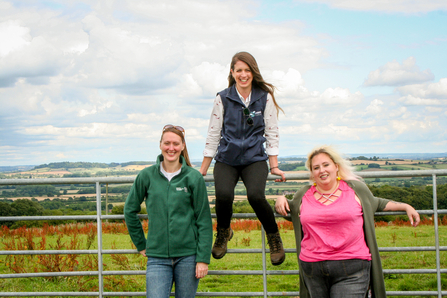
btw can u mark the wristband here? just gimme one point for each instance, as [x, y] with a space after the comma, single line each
[273, 168]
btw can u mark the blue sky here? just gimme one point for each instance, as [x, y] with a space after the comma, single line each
[97, 80]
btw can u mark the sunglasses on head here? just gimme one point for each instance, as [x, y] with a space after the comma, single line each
[179, 128]
[250, 116]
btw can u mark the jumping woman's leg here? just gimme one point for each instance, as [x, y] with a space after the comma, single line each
[225, 180]
[254, 177]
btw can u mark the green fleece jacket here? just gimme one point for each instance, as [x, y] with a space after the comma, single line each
[178, 211]
[370, 205]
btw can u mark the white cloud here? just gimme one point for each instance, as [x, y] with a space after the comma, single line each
[433, 94]
[403, 6]
[375, 107]
[396, 74]
[433, 90]
[98, 79]
[340, 96]
[417, 101]
[204, 80]
[16, 35]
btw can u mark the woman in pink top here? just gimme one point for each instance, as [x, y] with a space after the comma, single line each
[334, 229]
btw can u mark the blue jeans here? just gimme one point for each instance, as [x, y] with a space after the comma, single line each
[162, 273]
[336, 279]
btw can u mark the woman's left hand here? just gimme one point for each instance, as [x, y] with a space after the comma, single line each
[201, 269]
[278, 172]
[413, 216]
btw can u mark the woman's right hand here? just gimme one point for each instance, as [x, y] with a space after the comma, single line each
[205, 165]
[143, 253]
[282, 205]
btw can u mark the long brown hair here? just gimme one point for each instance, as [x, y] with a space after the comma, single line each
[184, 152]
[258, 80]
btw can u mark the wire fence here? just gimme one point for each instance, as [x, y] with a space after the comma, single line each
[100, 252]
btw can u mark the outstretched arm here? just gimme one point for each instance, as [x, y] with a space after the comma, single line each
[411, 212]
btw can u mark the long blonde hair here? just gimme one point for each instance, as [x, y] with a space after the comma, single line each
[345, 168]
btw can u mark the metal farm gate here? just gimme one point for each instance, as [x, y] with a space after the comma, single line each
[264, 272]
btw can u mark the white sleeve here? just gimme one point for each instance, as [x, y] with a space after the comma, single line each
[271, 127]
[214, 128]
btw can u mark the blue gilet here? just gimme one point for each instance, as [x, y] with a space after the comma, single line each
[242, 144]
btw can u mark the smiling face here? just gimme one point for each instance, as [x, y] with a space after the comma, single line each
[324, 171]
[171, 147]
[243, 76]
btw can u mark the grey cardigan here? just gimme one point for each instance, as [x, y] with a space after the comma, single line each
[370, 205]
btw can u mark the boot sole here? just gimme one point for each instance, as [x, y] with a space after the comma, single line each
[279, 262]
[220, 257]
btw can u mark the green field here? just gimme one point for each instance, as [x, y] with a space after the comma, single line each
[387, 237]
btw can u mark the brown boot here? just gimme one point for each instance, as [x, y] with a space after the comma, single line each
[220, 244]
[277, 254]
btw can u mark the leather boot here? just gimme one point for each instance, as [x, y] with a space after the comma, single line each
[277, 254]
[220, 244]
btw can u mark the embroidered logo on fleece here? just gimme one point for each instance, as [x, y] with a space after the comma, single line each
[181, 189]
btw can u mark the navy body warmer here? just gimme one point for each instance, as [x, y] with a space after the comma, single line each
[242, 144]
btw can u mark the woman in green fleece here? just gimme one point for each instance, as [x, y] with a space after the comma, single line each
[333, 221]
[179, 238]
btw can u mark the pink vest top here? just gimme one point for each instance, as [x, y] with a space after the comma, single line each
[334, 231]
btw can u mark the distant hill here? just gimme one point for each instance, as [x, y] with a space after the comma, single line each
[87, 165]
[4, 169]
[385, 155]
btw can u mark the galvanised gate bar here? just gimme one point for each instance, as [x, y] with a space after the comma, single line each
[264, 272]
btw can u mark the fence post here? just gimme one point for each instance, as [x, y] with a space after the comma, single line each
[99, 232]
[264, 263]
[435, 220]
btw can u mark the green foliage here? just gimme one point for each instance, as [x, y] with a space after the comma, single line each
[290, 166]
[32, 191]
[361, 157]
[417, 196]
[118, 209]
[21, 207]
[242, 207]
[373, 165]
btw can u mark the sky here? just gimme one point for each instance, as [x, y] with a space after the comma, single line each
[96, 81]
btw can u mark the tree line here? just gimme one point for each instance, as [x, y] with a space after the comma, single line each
[420, 197]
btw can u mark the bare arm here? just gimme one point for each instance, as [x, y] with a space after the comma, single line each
[205, 165]
[411, 212]
[273, 161]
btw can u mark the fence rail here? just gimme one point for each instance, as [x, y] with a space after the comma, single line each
[264, 272]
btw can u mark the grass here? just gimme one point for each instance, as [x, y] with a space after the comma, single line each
[246, 236]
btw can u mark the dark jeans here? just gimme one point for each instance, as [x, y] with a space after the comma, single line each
[254, 177]
[336, 279]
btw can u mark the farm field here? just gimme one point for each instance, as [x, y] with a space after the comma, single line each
[247, 235]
